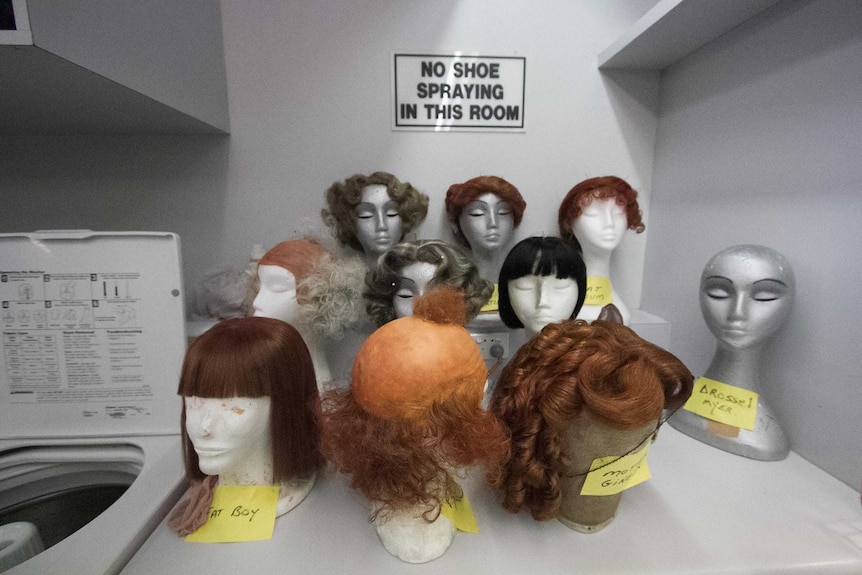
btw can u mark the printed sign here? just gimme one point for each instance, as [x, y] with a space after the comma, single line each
[452, 92]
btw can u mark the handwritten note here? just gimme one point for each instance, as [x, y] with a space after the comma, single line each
[614, 474]
[460, 513]
[723, 403]
[598, 291]
[493, 303]
[239, 513]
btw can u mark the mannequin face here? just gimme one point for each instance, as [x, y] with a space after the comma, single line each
[745, 296]
[540, 300]
[229, 434]
[487, 223]
[602, 224]
[412, 283]
[378, 220]
[277, 296]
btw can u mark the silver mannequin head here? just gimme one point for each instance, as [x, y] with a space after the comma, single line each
[746, 292]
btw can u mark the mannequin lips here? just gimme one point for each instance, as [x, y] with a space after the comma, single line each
[208, 452]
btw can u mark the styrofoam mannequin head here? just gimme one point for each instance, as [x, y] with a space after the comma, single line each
[601, 225]
[276, 297]
[231, 437]
[487, 223]
[539, 261]
[412, 282]
[746, 293]
[379, 225]
[539, 300]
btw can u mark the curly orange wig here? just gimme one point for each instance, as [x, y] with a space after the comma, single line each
[605, 368]
[599, 189]
[413, 411]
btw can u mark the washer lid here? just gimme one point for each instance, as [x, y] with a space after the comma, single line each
[93, 333]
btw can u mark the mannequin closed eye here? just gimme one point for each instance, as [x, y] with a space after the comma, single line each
[366, 210]
[768, 290]
[717, 287]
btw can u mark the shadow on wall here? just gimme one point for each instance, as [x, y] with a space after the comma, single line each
[118, 183]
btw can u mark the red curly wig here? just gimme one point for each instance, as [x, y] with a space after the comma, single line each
[599, 189]
[409, 419]
[605, 368]
[459, 195]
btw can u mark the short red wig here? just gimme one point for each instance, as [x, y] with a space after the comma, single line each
[459, 195]
[598, 189]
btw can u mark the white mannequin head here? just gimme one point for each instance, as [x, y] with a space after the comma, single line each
[539, 300]
[231, 437]
[601, 225]
[746, 294]
[379, 224]
[412, 282]
[543, 280]
[487, 223]
[276, 297]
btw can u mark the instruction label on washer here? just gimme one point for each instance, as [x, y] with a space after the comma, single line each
[74, 337]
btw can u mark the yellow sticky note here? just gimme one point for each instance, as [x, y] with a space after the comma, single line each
[493, 303]
[239, 513]
[460, 513]
[613, 474]
[598, 291]
[723, 403]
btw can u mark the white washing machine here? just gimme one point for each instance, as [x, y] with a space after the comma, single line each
[93, 337]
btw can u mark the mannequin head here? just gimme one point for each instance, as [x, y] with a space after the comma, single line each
[537, 267]
[281, 271]
[372, 213]
[409, 268]
[746, 293]
[604, 368]
[415, 402]
[484, 211]
[598, 206]
[245, 383]
[304, 285]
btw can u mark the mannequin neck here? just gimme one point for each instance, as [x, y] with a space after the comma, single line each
[314, 343]
[597, 260]
[737, 367]
[255, 470]
[488, 262]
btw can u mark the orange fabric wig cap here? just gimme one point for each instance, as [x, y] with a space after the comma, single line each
[411, 363]
[296, 256]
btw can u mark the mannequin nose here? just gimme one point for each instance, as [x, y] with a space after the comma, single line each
[739, 308]
[380, 222]
[491, 219]
[544, 295]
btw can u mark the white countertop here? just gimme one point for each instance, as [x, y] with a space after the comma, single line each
[703, 511]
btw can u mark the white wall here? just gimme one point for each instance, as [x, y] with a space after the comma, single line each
[309, 91]
[760, 141]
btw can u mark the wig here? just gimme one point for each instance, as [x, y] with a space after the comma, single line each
[454, 269]
[459, 195]
[328, 290]
[604, 368]
[343, 197]
[540, 256]
[258, 357]
[599, 189]
[413, 411]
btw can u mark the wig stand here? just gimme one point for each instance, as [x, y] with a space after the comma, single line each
[408, 536]
[588, 439]
[740, 368]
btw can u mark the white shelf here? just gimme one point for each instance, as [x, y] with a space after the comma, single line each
[103, 66]
[703, 511]
[674, 29]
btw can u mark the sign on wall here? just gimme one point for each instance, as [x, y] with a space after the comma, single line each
[458, 92]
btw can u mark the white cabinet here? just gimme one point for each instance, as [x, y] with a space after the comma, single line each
[113, 66]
